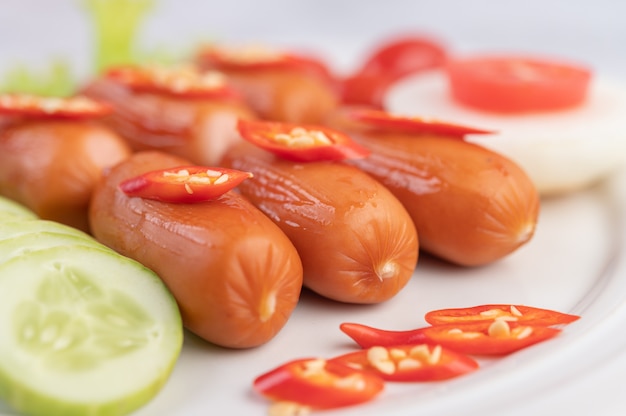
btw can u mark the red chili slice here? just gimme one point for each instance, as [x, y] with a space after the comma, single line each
[488, 338]
[514, 84]
[301, 143]
[318, 384]
[26, 105]
[496, 338]
[184, 184]
[410, 363]
[365, 89]
[391, 60]
[404, 55]
[255, 58]
[487, 313]
[182, 81]
[367, 336]
[383, 121]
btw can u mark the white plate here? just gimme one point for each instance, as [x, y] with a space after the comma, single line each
[575, 263]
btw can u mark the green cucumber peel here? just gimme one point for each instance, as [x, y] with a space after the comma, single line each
[84, 331]
[115, 27]
[15, 227]
[41, 240]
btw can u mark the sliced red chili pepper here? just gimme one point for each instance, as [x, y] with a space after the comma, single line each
[417, 362]
[301, 143]
[403, 55]
[255, 58]
[319, 384]
[391, 60]
[184, 184]
[491, 338]
[487, 313]
[182, 81]
[498, 337]
[365, 89]
[383, 121]
[26, 105]
[367, 336]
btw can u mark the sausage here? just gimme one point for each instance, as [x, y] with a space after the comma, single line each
[235, 275]
[356, 241]
[198, 129]
[294, 89]
[470, 205]
[52, 165]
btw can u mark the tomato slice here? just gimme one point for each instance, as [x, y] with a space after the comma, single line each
[301, 143]
[184, 184]
[319, 384]
[76, 108]
[491, 338]
[397, 57]
[510, 84]
[488, 313]
[183, 81]
[408, 363]
[383, 121]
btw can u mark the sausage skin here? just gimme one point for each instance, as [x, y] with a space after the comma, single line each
[199, 130]
[470, 205]
[293, 95]
[52, 166]
[356, 241]
[235, 275]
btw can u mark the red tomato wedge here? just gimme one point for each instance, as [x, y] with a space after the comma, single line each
[511, 84]
[488, 313]
[318, 384]
[495, 338]
[182, 81]
[301, 143]
[410, 363]
[76, 108]
[385, 121]
[184, 184]
[403, 55]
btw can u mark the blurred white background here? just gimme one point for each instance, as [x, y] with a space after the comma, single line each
[32, 32]
[591, 31]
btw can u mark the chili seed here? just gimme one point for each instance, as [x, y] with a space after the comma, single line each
[288, 409]
[499, 328]
[515, 311]
[435, 355]
[222, 179]
[409, 364]
[352, 382]
[522, 332]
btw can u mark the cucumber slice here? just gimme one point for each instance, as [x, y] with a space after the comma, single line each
[84, 331]
[16, 227]
[26, 243]
[10, 209]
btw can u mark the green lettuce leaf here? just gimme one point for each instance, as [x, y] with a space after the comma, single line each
[115, 29]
